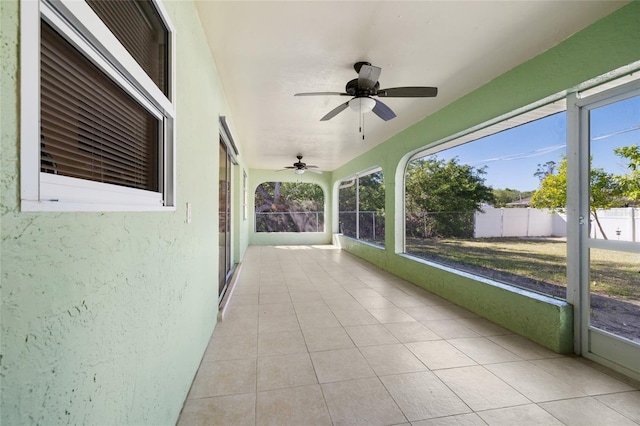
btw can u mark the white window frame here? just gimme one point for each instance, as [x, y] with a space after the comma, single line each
[80, 26]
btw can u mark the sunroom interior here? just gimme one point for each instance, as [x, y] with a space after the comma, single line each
[108, 307]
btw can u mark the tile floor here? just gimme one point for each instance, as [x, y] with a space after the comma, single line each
[315, 336]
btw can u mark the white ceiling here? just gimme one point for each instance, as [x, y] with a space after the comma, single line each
[267, 51]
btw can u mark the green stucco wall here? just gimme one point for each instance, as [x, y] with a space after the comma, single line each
[286, 238]
[608, 44]
[105, 316]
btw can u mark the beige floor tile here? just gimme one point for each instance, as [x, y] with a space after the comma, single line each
[314, 307]
[305, 296]
[450, 329]
[284, 371]
[334, 292]
[350, 282]
[408, 332]
[241, 311]
[427, 313]
[533, 382]
[423, 396]
[340, 364]
[389, 291]
[219, 411]
[522, 415]
[438, 354]
[231, 347]
[355, 317]
[244, 299]
[480, 389]
[272, 309]
[404, 301]
[581, 376]
[524, 348]
[344, 303]
[325, 339]
[361, 402]
[224, 378]
[274, 298]
[277, 323]
[484, 327]
[584, 412]
[627, 403]
[293, 406]
[246, 289]
[376, 303]
[370, 335]
[363, 293]
[483, 350]
[460, 420]
[281, 343]
[313, 320]
[237, 326]
[273, 289]
[391, 359]
[389, 315]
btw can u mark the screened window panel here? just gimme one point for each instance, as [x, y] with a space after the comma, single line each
[138, 26]
[90, 127]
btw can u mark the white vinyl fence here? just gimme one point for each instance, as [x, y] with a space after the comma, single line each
[621, 224]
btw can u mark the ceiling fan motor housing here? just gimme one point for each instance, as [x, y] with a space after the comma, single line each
[353, 89]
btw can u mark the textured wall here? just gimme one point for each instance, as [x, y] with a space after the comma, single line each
[608, 44]
[105, 316]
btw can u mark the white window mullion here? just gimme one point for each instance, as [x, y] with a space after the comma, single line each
[30, 101]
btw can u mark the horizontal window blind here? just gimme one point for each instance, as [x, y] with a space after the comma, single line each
[138, 26]
[90, 127]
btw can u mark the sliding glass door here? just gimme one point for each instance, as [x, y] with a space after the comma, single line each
[224, 220]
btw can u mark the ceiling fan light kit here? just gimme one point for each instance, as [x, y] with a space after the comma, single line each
[362, 104]
[367, 85]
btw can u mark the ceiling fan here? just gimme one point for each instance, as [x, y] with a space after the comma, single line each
[367, 85]
[299, 167]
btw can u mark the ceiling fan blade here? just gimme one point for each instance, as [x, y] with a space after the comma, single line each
[335, 111]
[318, 172]
[383, 111]
[409, 92]
[288, 167]
[312, 167]
[321, 94]
[368, 76]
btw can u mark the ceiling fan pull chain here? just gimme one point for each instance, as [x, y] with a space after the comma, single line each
[362, 125]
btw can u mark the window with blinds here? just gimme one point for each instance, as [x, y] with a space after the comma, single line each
[91, 128]
[97, 123]
[138, 26]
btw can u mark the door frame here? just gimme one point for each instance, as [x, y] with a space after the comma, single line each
[603, 347]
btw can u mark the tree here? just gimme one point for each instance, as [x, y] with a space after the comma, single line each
[545, 170]
[508, 195]
[295, 198]
[447, 194]
[630, 183]
[605, 192]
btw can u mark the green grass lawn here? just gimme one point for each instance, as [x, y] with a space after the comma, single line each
[615, 274]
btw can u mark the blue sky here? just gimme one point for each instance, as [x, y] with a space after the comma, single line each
[512, 157]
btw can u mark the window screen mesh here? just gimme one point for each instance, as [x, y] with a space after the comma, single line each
[90, 128]
[138, 26]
